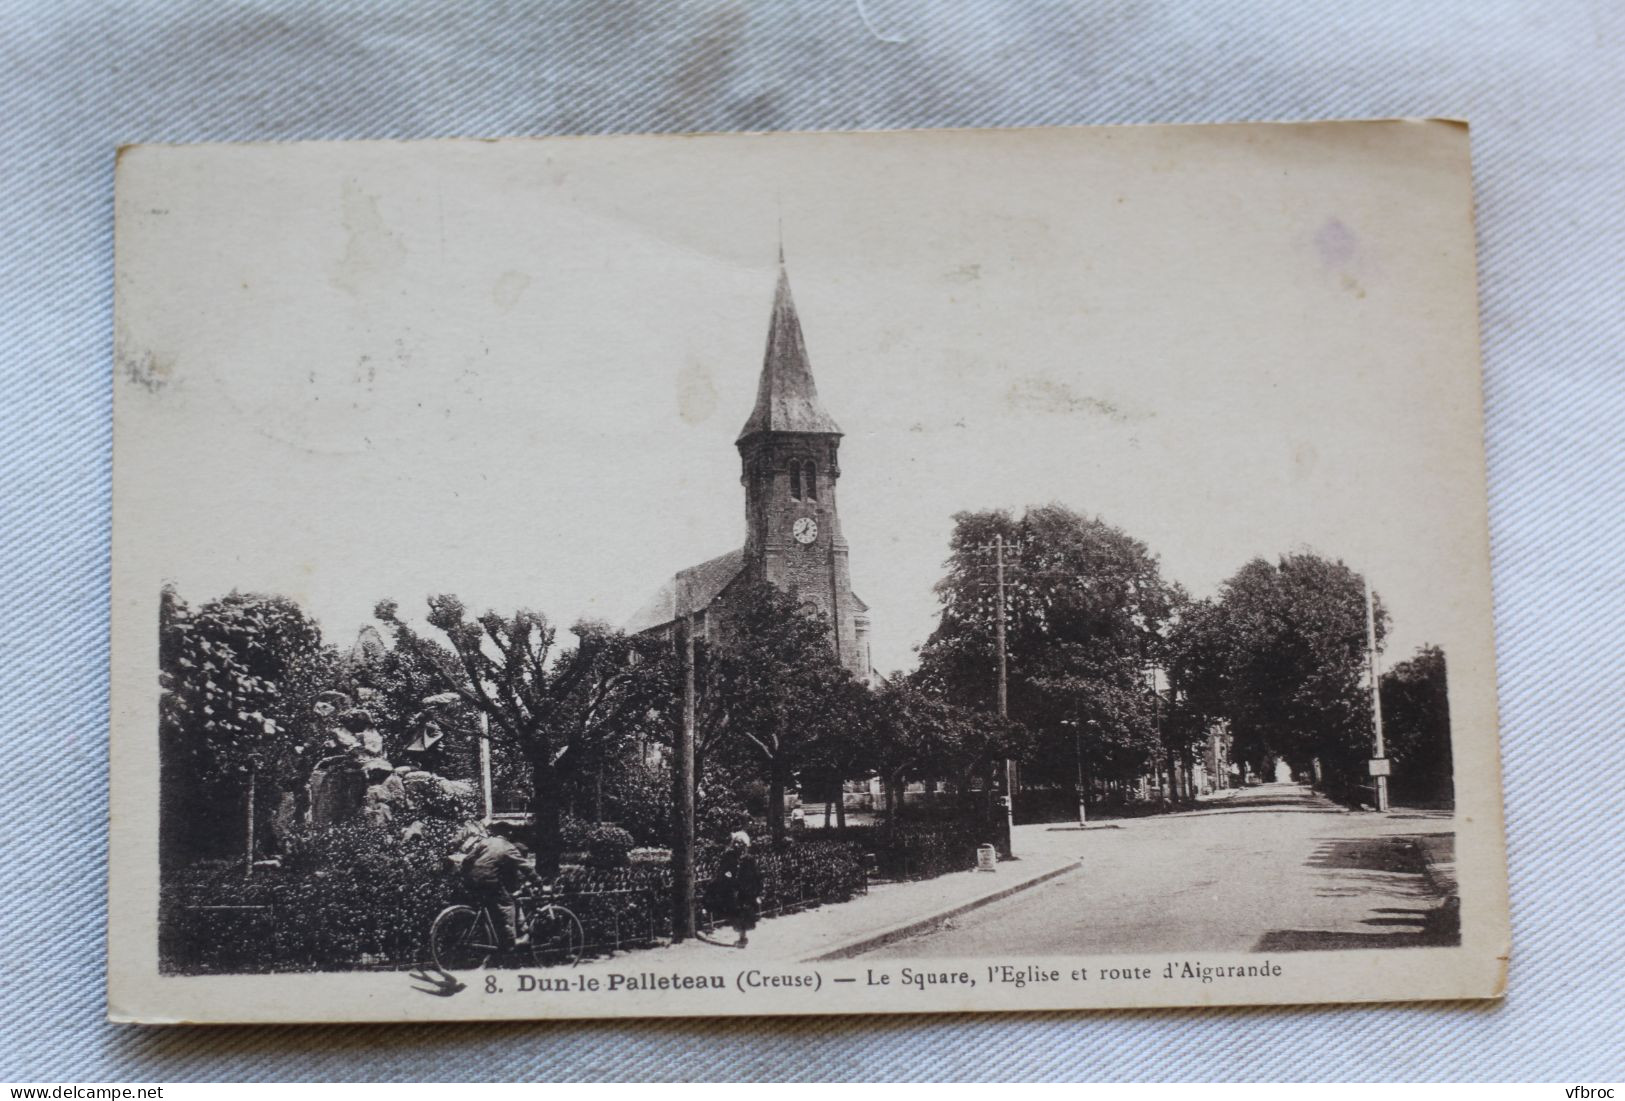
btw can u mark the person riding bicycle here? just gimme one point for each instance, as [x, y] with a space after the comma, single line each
[491, 871]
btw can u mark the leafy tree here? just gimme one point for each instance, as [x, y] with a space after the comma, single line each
[1085, 608]
[724, 795]
[1195, 650]
[554, 707]
[402, 692]
[1294, 688]
[239, 677]
[844, 748]
[608, 779]
[1416, 727]
[771, 687]
[637, 798]
[916, 735]
[1112, 730]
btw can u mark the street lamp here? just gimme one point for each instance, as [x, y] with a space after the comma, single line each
[1077, 751]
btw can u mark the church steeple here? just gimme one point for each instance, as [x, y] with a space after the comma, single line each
[786, 397]
[789, 465]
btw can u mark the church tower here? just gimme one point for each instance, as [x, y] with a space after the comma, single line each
[789, 464]
[789, 455]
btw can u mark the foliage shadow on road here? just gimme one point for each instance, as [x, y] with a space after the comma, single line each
[1249, 802]
[1391, 867]
[1397, 854]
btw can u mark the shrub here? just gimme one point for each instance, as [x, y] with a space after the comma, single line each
[816, 872]
[573, 832]
[641, 798]
[353, 896]
[345, 896]
[432, 799]
[921, 850]
[949, 807]
[807, 874]
[754, 794]
[720, 813]
[608, 847]
[364, 896]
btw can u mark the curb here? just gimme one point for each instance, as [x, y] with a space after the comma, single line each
[908, 928]
[1430, 875]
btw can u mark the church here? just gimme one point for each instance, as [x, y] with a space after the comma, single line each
[789, 465]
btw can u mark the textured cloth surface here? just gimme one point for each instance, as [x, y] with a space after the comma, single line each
[1542, 85]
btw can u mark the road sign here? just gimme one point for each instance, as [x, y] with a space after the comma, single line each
[1380, 766]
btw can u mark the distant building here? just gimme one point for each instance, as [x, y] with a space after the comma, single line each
[788, 453]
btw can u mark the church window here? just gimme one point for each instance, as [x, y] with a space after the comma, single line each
[809, 479]
[795, 479]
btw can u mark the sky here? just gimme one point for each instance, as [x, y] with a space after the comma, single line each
[515, 370]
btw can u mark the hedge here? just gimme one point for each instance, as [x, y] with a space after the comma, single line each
[347, 896]
[351, 897]
[803, 874]
[921, 850]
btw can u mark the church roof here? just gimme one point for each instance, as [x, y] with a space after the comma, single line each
[691, 590]
[786, 398]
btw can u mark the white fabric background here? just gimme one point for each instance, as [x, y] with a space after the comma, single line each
[1542, 84]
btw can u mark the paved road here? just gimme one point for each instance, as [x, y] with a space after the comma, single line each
[1272, 868]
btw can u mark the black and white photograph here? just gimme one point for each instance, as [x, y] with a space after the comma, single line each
[801, 573]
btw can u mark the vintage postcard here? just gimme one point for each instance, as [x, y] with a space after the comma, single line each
[801, 573]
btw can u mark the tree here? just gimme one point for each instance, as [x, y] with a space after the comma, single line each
[1085, 606]
[403, 694]
[1296, 635]
[770, 685]
[1112, 731]
[843, 746]
[553, 707]
[915, 735]
[1416, 727]
[238, 680]
[1195, 650]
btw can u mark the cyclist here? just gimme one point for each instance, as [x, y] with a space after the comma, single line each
[491, 871]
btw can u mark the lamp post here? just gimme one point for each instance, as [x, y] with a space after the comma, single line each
[1077, 748]
[1077, 752]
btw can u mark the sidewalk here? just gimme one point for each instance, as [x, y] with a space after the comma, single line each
[888, 911]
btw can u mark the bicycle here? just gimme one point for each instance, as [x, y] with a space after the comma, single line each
[463, 938]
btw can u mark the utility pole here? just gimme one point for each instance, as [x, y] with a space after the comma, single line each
[1379, 762]
[998, 628]
[682, 848]
[485, 766]
[999, 548]
[248, 816]
[1004, 701]
[1156, 726]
